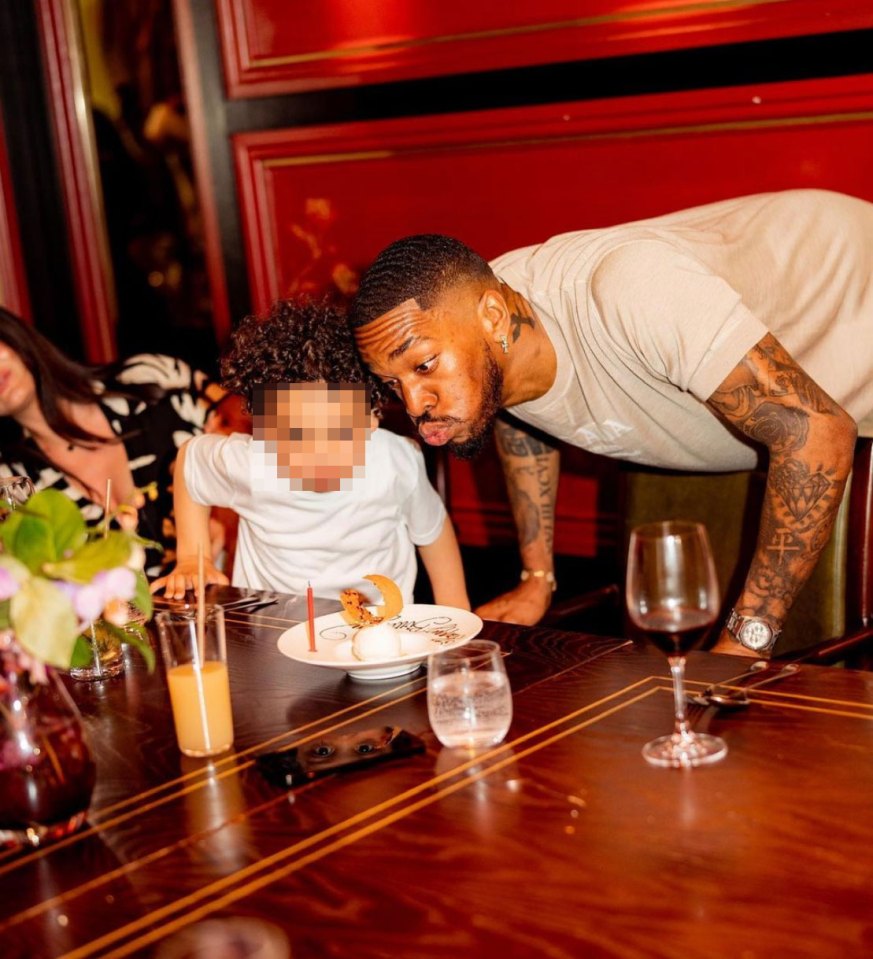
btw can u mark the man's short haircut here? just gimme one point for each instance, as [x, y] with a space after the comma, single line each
[419, 268]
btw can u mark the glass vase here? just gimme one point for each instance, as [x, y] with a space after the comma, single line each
[46, 771]
[107, 659]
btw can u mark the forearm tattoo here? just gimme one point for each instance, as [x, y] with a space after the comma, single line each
[514, 442]
[774, 402]
[531, 482]
[796, 521]
[527, 516]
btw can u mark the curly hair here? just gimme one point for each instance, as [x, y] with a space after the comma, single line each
[416, 268]
[299, 341]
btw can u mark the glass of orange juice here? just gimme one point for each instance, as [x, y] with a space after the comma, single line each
[195, 658]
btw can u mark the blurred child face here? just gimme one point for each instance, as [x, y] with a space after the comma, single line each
[317, 431]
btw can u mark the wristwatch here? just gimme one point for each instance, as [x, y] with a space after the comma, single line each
[752, 632]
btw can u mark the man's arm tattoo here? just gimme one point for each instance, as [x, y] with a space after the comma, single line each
[515, 442]
[528, 466]
[527, 516]
[795, 527]
[774, 402]
[745, 400]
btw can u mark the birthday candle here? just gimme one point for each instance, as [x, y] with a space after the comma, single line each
[310, 609]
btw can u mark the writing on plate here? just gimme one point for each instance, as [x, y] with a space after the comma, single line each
[441, 630]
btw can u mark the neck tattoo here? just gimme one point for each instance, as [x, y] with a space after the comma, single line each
[516, 320]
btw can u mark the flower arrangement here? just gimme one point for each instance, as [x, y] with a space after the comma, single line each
[58, 575]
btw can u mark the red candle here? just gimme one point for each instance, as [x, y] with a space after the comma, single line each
[310, 609]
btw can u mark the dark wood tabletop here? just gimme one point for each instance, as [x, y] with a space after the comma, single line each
[559, 842]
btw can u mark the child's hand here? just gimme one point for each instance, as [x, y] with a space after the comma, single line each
[184, 577]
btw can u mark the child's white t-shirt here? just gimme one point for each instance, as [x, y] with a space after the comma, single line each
[288, 538]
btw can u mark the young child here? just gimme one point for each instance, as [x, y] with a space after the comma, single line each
[322, 495]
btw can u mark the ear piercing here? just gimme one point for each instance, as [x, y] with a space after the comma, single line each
[504, 344]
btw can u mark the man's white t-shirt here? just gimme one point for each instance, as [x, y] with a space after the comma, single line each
[648, 318]
[288, 538]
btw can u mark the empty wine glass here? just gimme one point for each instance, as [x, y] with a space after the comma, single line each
[15, 491]
[672, 596]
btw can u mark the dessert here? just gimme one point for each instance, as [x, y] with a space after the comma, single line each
[374, 637]
[377, 641]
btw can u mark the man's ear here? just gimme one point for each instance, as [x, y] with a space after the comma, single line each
[494, 315]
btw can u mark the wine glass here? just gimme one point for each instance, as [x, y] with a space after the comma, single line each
[15, 491]
[672, 596]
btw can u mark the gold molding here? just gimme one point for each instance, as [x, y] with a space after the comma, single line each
[313, 730]
[257, 875]
[576, 23]
[316, 159]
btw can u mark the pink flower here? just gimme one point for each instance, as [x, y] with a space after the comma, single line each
[88, 602]
[117, 583]
[8, 584]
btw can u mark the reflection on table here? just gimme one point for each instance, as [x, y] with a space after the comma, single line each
[560, 841]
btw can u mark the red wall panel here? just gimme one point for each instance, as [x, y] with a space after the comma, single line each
[80, 179]
[284, 46]
[13, 281]
[318, 203]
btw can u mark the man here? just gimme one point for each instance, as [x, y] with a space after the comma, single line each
[697, 340]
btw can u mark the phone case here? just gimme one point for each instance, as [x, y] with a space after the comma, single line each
[345, 752]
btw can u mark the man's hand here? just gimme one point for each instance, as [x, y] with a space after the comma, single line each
[811, 442]
[525, 605]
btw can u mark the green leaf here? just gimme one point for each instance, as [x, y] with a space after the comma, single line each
[44, 622]
[100, 554]
[44, 529]
[135, 635]
[34, 542]
[83, 655]
[150, 544]
[9, 530]
[63, 516]
[142, 598]
[147, 543]
[132, 635]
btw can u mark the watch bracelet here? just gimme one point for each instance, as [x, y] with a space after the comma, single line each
[735, 623]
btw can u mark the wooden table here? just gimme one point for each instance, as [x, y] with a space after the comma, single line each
[560, 842]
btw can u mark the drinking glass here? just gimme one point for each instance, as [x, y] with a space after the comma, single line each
[15, 491]
[672, 596]
[196, 663]
[469, 702]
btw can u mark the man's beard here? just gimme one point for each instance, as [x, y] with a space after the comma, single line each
[492, 397]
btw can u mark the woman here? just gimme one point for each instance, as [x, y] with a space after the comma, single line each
[74, 428]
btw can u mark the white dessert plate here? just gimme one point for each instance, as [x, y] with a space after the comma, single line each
[423, 629]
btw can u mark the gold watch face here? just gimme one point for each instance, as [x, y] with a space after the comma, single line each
[755, 634]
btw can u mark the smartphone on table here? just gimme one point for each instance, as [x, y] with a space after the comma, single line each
[336, 752]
